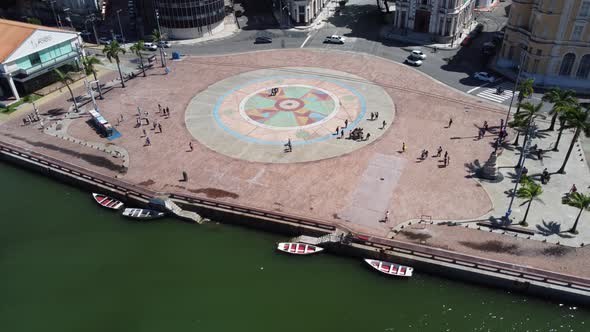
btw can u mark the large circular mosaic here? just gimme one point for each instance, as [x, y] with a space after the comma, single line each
[255, 115]
[289, 106]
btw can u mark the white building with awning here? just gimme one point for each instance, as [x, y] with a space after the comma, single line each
[28, 53]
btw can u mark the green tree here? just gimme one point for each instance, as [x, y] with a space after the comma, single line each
[526, 117]
[89, 62]
[34, 20]
[519, 125]
[579, 201]
[66, 78]
[136, 49]
[112, 51]
[525, 90]
[562, 121]
[561, 100]
[578, 119]
[157, 37]
[530, 191]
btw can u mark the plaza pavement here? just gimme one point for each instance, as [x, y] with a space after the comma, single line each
[354, 189]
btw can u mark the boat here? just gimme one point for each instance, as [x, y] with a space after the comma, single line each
[137, 213]
[297, 248]
[390, 268]
[107, 201]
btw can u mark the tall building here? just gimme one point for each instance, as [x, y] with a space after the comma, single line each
[187, 19]
[552, 40]
[301, 12]
[443, 19]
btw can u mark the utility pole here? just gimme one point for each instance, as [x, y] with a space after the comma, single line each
[120, 26]
[51, 2]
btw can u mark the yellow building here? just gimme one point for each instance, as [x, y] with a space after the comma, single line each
[552, 40]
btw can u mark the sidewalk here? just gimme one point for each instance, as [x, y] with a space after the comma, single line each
[389, 32]
[230, 27]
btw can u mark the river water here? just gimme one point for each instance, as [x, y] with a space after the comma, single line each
[67, 264]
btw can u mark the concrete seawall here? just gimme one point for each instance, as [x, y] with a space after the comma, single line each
[531, 281]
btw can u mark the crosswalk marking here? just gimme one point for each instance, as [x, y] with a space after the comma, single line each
[490, 93]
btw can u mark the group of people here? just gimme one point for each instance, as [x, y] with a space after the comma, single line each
[30, 118]
[357, 134]
[424, 154]
[274, 91]
[163, 111]
[374, 116]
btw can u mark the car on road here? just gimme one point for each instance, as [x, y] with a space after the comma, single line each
[417, 54]
[334, 39]
[413, 61]
[150, 46]
[104, 41]
[164, 44]
[484, 76]
[263, 40]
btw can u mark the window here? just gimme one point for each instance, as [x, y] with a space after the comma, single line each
[584, 67]
[577, 33]
[584, 9]
[567, 64]
[35, 59]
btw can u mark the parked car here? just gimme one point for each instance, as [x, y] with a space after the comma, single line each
[417, 54]
[467, 41]
[334, 39]
[164, 44]
[150, 46]
[413, 61]
[104, 41]
[484, 76]
[263, 40]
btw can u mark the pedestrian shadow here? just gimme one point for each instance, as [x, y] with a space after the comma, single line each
[552, 228]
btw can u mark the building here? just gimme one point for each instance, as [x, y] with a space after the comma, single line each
[552, 40]
[51, 12]
[301, 12]
[188, 19]
[29, 53]
[443, 19]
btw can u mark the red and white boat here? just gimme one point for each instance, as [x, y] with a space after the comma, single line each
[297, 248]
[107, 201]
[390, 268]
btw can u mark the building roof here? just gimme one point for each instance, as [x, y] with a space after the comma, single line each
[15, 33]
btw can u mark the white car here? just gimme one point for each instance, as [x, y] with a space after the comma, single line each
[413, 61]
[484, 76]
[104, 41]
[150, 46]
[164, 44]
[334, 39]
[417, 54]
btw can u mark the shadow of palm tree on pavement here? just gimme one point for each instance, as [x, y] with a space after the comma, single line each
[552, 228]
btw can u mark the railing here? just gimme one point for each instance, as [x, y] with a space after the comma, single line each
[435, 254]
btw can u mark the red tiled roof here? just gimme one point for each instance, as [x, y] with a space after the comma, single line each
[13, 34]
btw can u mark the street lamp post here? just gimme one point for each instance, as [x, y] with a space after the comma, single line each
[53, 10]
[522, 56]
[69, 18]
[120, 26]
[91, 18]
[162, 57]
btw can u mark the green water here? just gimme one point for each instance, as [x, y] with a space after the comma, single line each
[68, 265]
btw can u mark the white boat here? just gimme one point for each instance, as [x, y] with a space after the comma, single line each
[297, 248]
[142, 213]
[390, 268]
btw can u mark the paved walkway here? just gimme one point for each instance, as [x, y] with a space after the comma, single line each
[355, 189]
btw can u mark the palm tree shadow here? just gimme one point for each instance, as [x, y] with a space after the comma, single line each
[473, 168]
[552, 228]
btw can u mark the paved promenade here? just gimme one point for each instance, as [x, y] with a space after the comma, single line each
[225, 108]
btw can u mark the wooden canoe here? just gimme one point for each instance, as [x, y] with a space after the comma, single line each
[297, 248]
[107, 201]
[390, 268]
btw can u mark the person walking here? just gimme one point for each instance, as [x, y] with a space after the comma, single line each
[404, 147]
[368, 135]
[372, 116]
[341, 133]
[376, 115]
[450, 122]
[190, 146]
[345, 123]
[147, 141]
[446, 154]
[159, 108]
[144, 133]
[386, 219]
[439, 151]
[384, 124]
[160, 127]
[337, 130]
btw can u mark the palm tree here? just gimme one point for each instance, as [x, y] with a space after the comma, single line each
[562, 121]
[530, 191]
[112, 51]
[66, 78]
[561, 99]
[89, 62]
[526, 117]
[576, 118]
[157, 37]
[136, 49]
[580, 201]
[520, 126]
[525, 90]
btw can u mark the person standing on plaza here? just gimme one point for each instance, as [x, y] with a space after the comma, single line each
[386, 219]
[159, 108]
[439, 151]
[372, 116]
[144, 133]
[368, 135]
[160, 127]
[450, 122]
[337, 130]
[384, 124]
[147, 141]
[404, 147]
[190, 146]
[376, 115]
[345, 123]
[341, 133]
